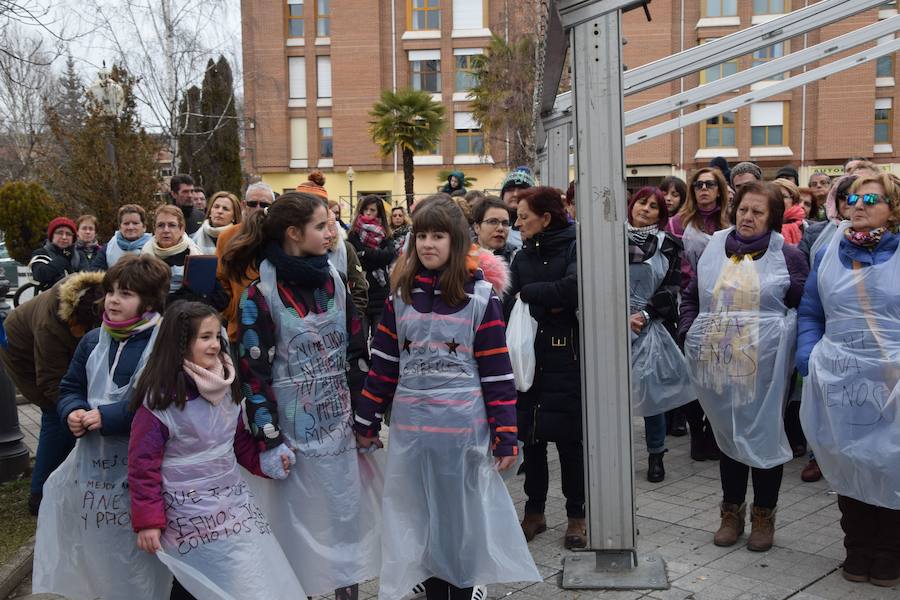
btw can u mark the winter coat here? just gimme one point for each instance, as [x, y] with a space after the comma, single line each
[49, 264]
[489, 349]
[89, 254]
[193, 219]
[544, 273]
[373, 259]
[797, 267]
[811, 234]
[811, 317]
[73, 389]
[356, 280]
[460, 177]
[42, 337]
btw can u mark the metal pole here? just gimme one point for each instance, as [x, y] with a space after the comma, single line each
[14, 460]
[595, 47]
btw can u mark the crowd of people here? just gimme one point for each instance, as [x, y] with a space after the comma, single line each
[267, 333]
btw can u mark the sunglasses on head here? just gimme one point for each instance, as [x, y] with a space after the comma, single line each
[256, 203]
[699, 185]
[867, 199]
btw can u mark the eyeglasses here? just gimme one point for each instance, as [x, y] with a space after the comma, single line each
[699, 185]
[867, 199]
[257, 204]
[497, 223]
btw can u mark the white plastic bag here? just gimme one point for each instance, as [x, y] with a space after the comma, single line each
[520, 333]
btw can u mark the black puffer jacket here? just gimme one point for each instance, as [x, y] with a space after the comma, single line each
[545, 275]
[50, 263]
[372, 260]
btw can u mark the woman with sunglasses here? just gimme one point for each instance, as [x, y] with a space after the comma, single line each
[700, 217]
[741, 327]
[849, 351]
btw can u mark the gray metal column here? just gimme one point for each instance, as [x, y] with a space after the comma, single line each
[558, 154]
[595, 47]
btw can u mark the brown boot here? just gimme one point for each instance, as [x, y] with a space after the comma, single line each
[732, 526]
[762, 529]
[576, 534]
[533, 524]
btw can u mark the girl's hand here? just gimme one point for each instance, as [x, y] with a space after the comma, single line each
[276, 462]
[637, 322]
[91, 420]
[505, 462]
[365, 442]
[148, 540]
[74, 422]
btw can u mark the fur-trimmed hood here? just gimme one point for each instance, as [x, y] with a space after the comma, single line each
[494, 268]
[72, 289]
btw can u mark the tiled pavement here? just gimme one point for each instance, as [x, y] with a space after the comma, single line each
[676, 519]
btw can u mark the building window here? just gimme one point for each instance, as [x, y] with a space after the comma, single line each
[718, 132]
[768, 7]
[468, 14]
[465, 68]
[297, 77]
[326, 138]
[720, 8]
[884, 66]
[299, 151]
[469, 139]
[767, 124]
[424, 14]
[323, 77]
[718, 71]
[323, 18]
[425, 70]
[883, 121]
[764, 55]
[295, 18]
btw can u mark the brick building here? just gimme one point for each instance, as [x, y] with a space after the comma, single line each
[314, 68]
[815, 126]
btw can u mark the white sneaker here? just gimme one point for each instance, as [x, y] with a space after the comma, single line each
[417, 592]
[479, 592]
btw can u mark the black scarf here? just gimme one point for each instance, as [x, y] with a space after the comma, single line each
[307, 271]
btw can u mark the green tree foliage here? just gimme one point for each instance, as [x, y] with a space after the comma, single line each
[191, 127]
[503, 97]
[25, 211]
[217, 148]
[410, 121]
[106, 162]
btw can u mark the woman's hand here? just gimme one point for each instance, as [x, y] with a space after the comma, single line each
[637, 322]
[148, 540]
[74, 422]
[504, 462]
[92, 420]
[366, 442]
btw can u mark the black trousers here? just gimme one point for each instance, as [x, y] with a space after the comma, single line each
[179, 593]
[766, 482]
[869, 530]
[438, 589]
[537, 477]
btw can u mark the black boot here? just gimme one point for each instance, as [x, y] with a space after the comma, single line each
[656, 472]
[694, 415]
[679, 423]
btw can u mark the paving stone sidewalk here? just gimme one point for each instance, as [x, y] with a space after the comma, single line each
[676, 519]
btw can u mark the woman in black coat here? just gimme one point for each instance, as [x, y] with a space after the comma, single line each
[544, 275]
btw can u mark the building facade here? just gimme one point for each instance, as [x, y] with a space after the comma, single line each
[313, 69]
[814, 127]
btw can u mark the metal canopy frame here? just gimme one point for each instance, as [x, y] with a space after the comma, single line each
[592, 116]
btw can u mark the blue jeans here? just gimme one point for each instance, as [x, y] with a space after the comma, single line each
[54, 444]
[655, 433]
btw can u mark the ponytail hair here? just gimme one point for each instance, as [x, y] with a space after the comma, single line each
[292, 209]
[163, 381]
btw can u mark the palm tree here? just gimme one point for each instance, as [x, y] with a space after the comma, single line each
[410, 120]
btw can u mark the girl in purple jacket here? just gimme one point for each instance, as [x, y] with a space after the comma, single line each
[190, 504]
[439, 357]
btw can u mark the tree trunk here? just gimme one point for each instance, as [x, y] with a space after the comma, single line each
[408, 168]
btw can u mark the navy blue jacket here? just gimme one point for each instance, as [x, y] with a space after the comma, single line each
[73, 392]
[811, 315]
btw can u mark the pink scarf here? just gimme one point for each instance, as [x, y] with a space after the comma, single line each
[211, 383]
[371, 231]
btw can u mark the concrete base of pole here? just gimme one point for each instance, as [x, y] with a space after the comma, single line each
[614, 570]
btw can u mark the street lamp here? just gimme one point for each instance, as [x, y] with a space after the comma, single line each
[110, 97]
[351, 175]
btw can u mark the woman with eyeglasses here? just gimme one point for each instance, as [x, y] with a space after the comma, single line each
[849, 352]
[659, 378]
[740, 323]
[701, 215]
[492, 227]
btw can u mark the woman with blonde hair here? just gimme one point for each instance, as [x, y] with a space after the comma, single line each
[224, 211]
[794, 215]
